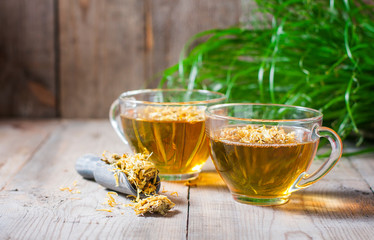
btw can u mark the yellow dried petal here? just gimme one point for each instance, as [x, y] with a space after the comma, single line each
[174, 193]
[154, 204]
[104, 210]
[139, 170]
[169, 113]
[257, 135]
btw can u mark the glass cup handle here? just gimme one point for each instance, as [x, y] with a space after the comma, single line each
[113, 115]
[305, 179]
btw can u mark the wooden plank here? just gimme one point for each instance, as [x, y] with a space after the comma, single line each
[102, 54]
[18, 142]
[175, 22]
[340, 206]
[365, 166]
[27, 59]
[39, 210]
[104, 48]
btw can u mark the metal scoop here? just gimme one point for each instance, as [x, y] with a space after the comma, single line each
[90, 166]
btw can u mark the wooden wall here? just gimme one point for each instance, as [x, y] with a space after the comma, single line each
[72, 58]
[27, 59]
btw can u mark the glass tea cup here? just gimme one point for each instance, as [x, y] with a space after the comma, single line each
[262, 151]
[169, 125]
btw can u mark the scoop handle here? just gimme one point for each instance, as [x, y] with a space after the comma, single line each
[90, 166]
[105, 177]
[86, 165]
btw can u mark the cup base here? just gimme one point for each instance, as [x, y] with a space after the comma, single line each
[179, 177]
[260, 201]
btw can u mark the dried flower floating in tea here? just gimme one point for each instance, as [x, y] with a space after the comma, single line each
[167, 113]
[254, 134]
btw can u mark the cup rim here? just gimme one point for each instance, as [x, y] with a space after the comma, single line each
[311, 119]
[124, 95]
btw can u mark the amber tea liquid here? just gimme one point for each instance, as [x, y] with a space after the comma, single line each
[177, 147]
[263, 170]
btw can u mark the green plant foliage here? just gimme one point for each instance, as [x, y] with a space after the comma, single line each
[318, 54]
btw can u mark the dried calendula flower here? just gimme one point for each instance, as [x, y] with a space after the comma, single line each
[112, 159]
[154, 204]
[104, 210]
[175, 114]
[257, 135]
[72, 190]
[140, 172]
[110, 199]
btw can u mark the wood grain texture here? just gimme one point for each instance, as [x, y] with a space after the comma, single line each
[340, 206]
[365, 166]
[33, 207]
[102, 54]
[40, 158]
[19, 140]
[175, 22]
[27, 59]
[73, 62]
[114, 46]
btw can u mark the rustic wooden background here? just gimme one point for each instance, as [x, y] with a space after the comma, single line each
[72, 58]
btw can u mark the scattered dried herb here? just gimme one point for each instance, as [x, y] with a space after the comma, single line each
[104, 210]
[72, 189]
[154, 204]
[110, 199]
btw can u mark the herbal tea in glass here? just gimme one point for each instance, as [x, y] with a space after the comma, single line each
[262, 161]
[169, 125]
[262, 151]
[174, 135]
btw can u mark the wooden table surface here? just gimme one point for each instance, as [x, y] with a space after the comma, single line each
[38, 158]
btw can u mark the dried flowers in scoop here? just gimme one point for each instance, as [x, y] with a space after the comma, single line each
[142, 174]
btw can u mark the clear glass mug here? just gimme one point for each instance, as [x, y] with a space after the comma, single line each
[170, 124]
[262, 151]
